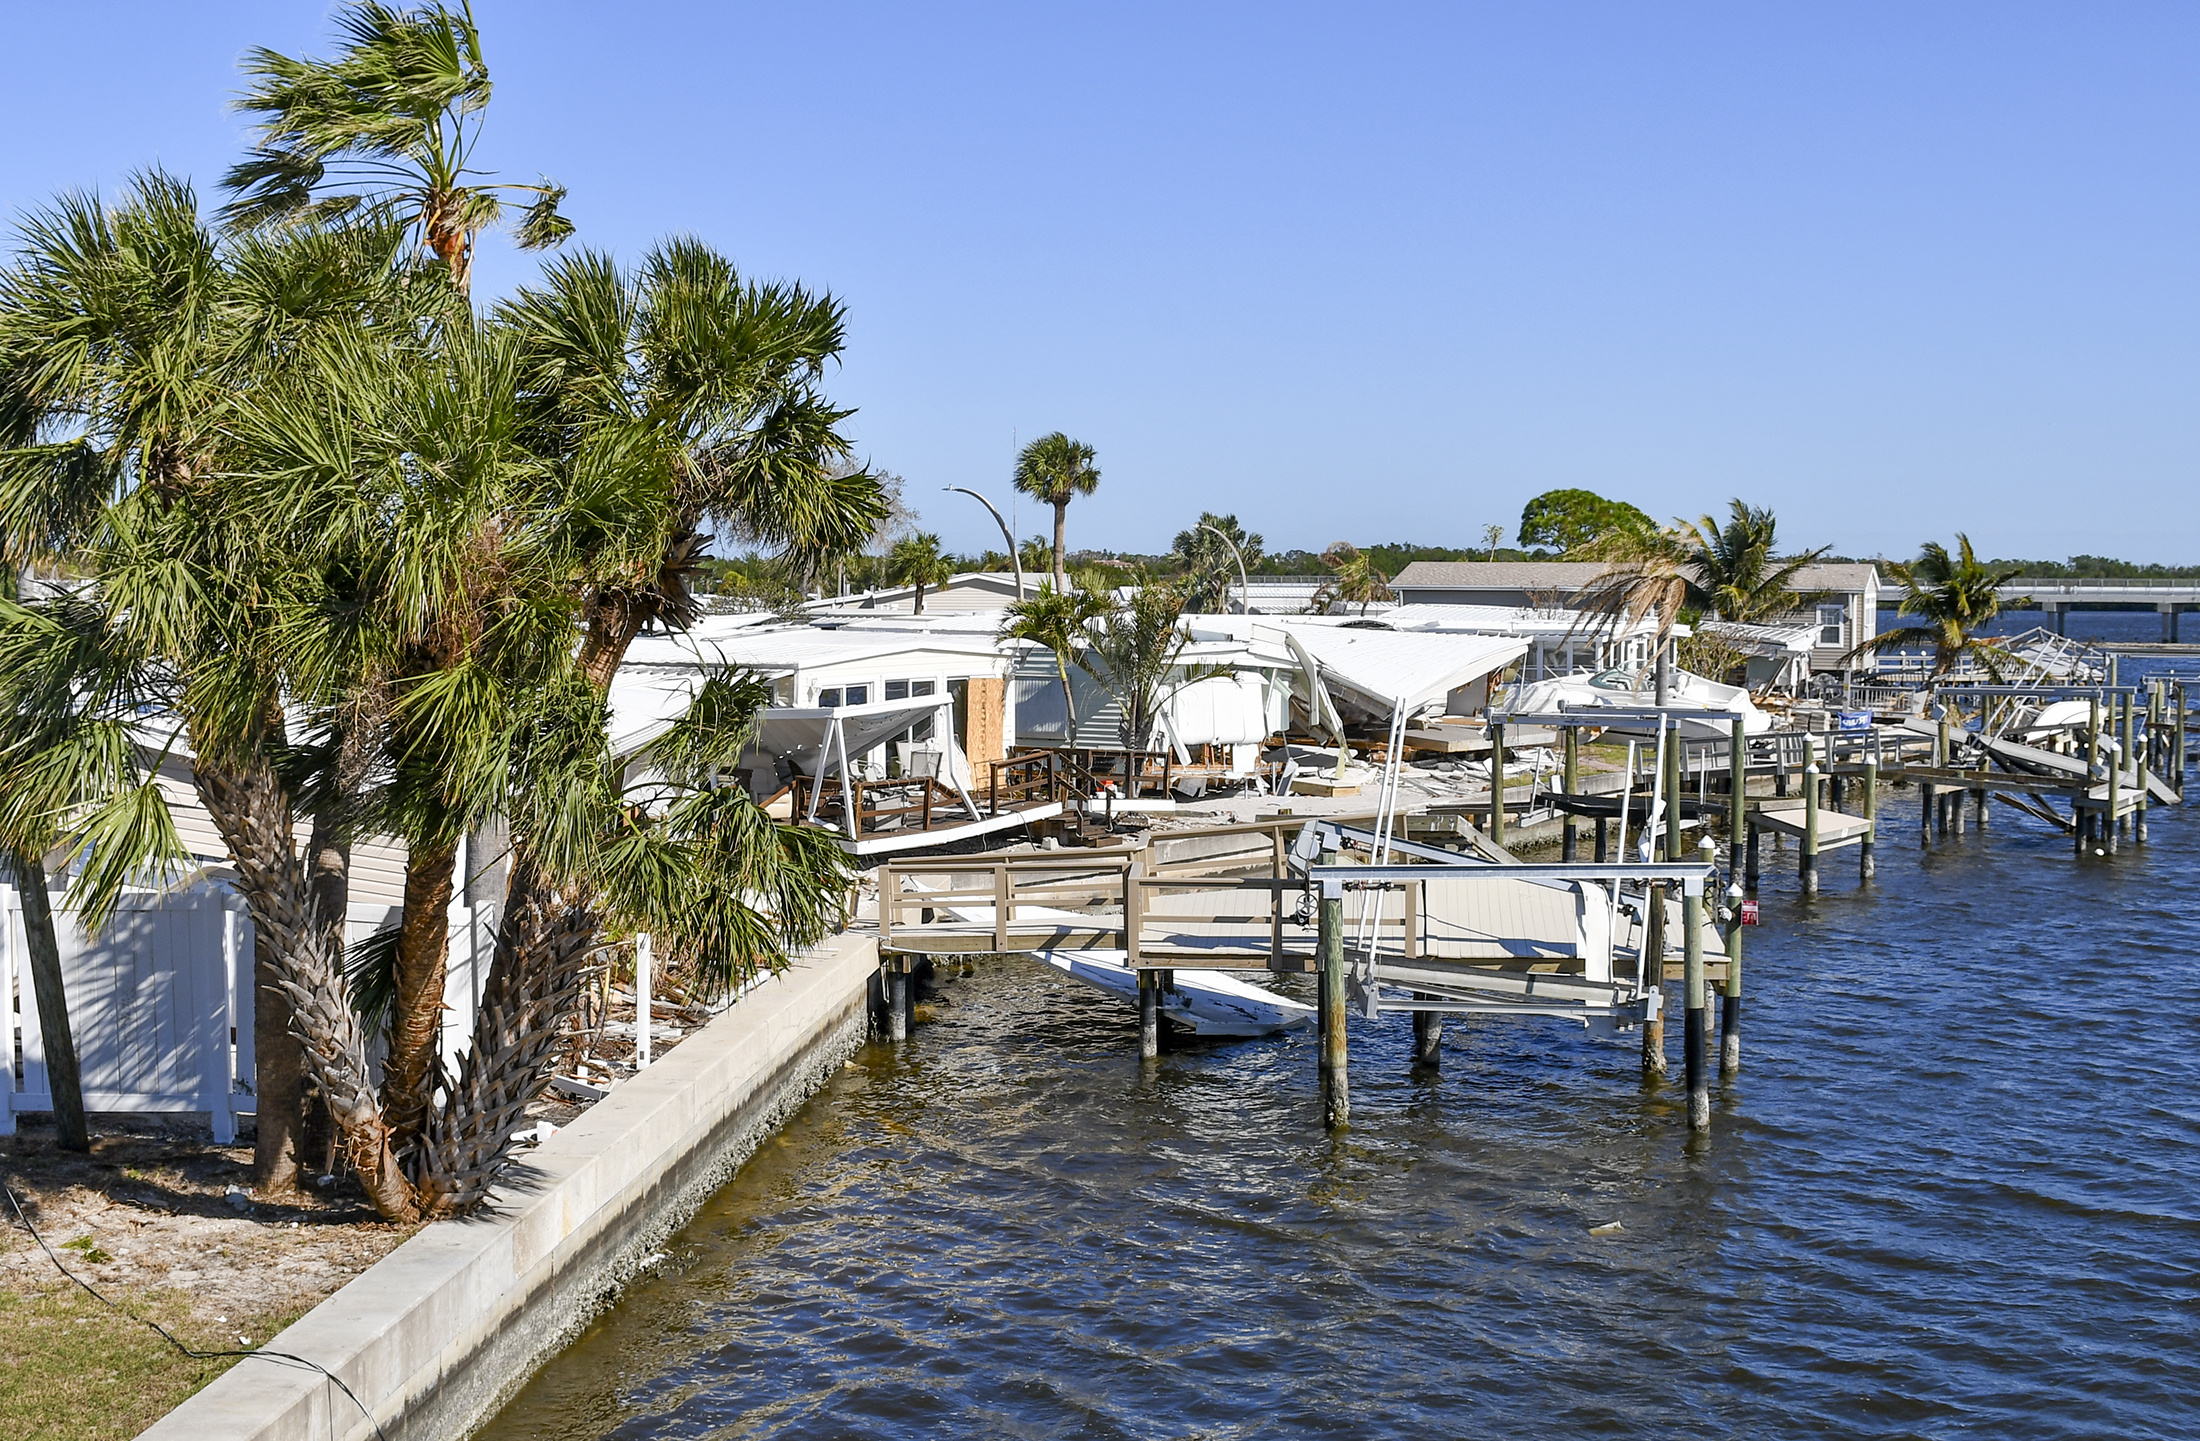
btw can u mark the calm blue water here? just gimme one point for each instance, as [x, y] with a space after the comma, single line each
[1952, 1194]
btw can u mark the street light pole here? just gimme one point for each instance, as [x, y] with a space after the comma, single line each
[1245, 591]
[1013, 558]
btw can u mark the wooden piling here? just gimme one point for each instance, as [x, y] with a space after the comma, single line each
[1428, 1039]
[2145, 731]
[1808, 866]
[1866, 867]
[1569, 830]
[1497, 782]
[1149, 1015]
[1673, 795]
[2133, 758]
[1730, 1000]
[1335, 1079]
[1737, 784]
[2176, 742]
[1603, 838]
[2089, 826]
[897, 1000]
[1653, 973]
[1942, 757]
[1696, 1029]
[2111, 821]
[1750, 873]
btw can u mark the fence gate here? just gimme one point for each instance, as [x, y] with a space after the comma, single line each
[160, 1006]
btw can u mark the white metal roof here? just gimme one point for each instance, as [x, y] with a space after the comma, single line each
[782, 646]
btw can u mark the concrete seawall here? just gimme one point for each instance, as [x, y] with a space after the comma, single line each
[441, 1332]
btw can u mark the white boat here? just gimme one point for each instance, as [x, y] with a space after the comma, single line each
[1617, 689]
[1206, 1003]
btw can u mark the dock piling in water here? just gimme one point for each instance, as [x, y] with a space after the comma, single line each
[1866, 868]
[897, 1000]
[1428, 1039]
[1335, 1080]
[1730, 1000]
[1149, 1015]
[2176, 742]
[1808, 865]
[1696, 1029]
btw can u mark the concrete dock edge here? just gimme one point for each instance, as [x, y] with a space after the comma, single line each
[444, 1330]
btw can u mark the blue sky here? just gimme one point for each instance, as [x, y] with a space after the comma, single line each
[1370, 273]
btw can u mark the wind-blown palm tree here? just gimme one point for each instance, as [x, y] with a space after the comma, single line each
[391, 122]
[1736, 568]
[916, 560]
[1056, 470]
[1730, 570]
[1954, 596]
[1210, 563]
[1353, 580]
[1058, 620]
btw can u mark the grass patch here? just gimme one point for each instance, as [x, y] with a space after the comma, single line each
[72, 1370]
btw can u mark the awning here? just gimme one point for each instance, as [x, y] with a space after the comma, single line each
[798, 734]
[1377, 669]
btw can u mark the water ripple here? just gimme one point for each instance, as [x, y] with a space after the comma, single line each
[1951, 1195]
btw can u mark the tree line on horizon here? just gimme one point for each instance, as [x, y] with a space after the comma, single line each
[1561, 524]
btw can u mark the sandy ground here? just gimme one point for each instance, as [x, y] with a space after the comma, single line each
[151, 1209]
[157, 1206]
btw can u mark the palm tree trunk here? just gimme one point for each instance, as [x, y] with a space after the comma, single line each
[293, 961]
[416, 1012]
[278, 1079]
[544, 940]
[62, 1076]
[1061, 531]
[1069, 704]
[920, 599]
[612, 626]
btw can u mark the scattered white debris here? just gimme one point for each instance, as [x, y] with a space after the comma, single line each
[579, 1090]
[1609, 1228]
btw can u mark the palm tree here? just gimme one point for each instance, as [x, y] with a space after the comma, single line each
[1353, 580]
[1730, 571]
[1737, 571]
[1955, 597]
[1132, 651]
[391, 122]
[1057, 620]
[1209, 560]
[129, 333]
[1057, 470]
[675, 401]
[916, 560]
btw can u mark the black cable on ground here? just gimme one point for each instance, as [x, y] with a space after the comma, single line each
[195, 1355]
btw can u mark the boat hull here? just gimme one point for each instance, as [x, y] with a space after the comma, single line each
[1206, 1003]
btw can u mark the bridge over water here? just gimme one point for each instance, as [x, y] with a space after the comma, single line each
[2168, 598]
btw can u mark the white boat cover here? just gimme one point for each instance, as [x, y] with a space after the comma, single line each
[1379, 668]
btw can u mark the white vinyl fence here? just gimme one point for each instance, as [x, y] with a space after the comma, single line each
[160, 1007]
